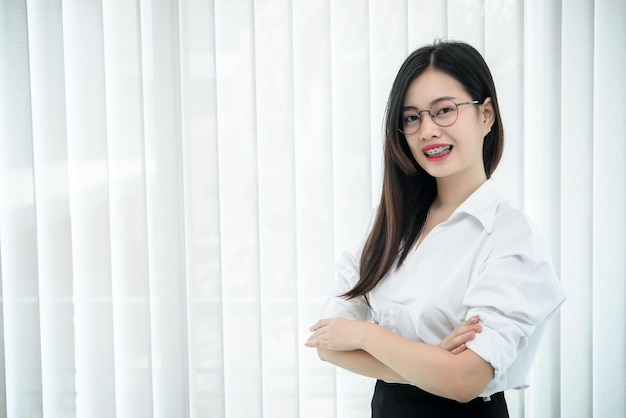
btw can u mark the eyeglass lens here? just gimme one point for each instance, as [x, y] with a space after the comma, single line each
[443, 113]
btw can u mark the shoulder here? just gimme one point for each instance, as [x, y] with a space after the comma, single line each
[516, 263]
[509, 219]
[514, 232]
[511, 222]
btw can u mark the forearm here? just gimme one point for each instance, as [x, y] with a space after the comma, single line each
[461, 377]
[360, 362]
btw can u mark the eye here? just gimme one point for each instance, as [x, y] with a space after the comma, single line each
[444, 110]
[409, 119]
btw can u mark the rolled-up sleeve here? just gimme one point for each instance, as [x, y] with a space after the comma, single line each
[346, 276]
[514, 292]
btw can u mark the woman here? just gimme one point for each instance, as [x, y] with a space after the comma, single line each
[444, 249]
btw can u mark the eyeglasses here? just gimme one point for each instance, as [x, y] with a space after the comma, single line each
[443, 112]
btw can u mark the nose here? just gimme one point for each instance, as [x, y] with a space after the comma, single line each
[428, 129]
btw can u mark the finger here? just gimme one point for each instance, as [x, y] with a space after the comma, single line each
[317, 340]
[462, 332]
[468, 323]
[317, 334]
[312, 343]
[459, 349]
[456, 349]
[467, 336]
[313, 340]
[463, 327]
[459, 335]
[473, 320]
[458, 340]
[461, 339]
[318, 325]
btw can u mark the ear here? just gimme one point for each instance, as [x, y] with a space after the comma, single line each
[488, 115]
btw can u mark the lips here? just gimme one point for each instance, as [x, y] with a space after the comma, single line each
[437, 151]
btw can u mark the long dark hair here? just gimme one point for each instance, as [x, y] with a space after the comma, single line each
[407, 190]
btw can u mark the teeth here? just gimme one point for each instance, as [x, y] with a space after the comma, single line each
[437, 152]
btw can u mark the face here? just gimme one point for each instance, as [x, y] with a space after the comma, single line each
[453, 152]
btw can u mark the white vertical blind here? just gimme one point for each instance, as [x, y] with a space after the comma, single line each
[312, 137]
[53, 226]
[609, 208]
[239, 207]
[126, 164]
[202, 242]
[504, 52]
[90, 227]
[351, 154]
[541, 180]
[178, 176]
[576, 172]
[277, 217]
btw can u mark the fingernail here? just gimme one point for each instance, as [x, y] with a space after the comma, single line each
[478, 328]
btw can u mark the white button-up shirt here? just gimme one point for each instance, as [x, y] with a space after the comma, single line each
[486, 260]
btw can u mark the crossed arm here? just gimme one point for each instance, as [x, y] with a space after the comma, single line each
[448, 370]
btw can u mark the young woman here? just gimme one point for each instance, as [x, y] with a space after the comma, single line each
[444, 250]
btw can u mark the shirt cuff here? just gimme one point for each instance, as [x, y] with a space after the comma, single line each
[494, 349]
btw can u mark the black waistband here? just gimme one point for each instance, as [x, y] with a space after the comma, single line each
[395, 400]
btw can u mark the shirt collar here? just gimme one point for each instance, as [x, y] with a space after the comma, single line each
[482, 204]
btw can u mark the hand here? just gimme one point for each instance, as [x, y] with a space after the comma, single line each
[464, 332]
[336, 334]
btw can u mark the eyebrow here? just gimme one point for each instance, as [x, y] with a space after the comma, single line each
[405, 108]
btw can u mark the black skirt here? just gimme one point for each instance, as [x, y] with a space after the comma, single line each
[396, 400]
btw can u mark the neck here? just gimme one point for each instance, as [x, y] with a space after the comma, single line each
[452, 192]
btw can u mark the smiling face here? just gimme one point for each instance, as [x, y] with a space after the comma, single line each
[453, 152]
